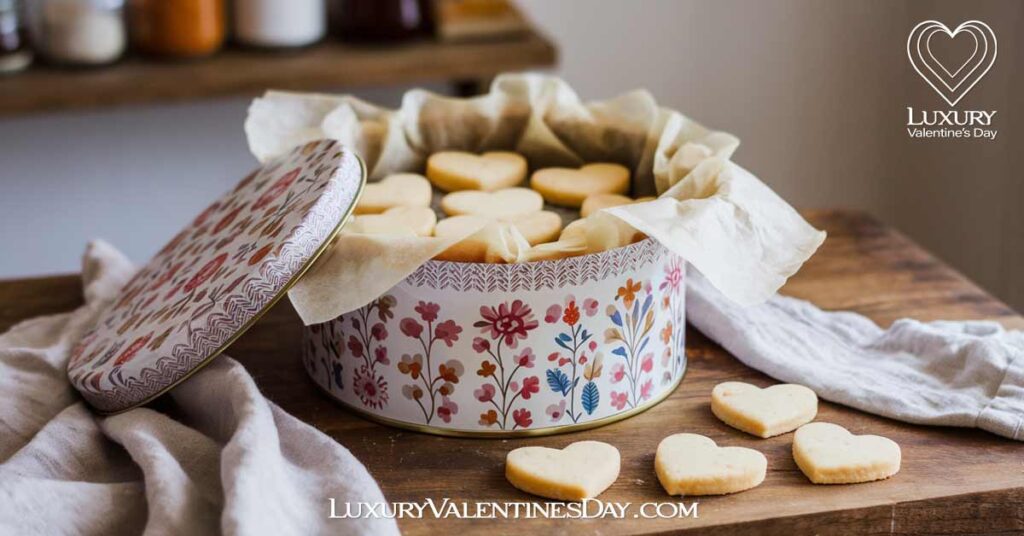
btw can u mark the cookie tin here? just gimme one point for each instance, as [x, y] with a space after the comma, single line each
[213, 280]
[472, 349]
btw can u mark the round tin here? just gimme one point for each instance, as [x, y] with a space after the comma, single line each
[218, 276]
[472, 349]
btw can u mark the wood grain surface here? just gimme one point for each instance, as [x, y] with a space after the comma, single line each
[953, 481]
[327, 66]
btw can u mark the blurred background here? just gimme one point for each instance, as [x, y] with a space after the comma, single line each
[121, 118]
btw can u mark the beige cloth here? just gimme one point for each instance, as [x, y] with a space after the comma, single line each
[719, 217]
[227, 461]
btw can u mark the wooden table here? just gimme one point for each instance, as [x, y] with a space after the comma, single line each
[953, 481]
[327, 66]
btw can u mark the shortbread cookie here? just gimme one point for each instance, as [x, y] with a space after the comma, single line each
[597, 202]
[494, 241]
[580, 471]
[538, 227]
[456, 170]
[764, 412]
[417, 221]
[500, 204]
[399, 190]
[569, 187]
[692, 464]
[829, 454]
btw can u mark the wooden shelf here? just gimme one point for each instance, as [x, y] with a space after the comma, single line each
[329, 65]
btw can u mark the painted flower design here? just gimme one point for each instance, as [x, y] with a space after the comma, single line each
[509, 322]
[277, 189]
[505, 325]
[206, 272]
[432, 386]
[132, 350]
[522, 417]
[370, 388]
[556, 411]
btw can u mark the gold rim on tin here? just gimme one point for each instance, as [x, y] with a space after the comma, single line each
[331, 237]
[504, 434]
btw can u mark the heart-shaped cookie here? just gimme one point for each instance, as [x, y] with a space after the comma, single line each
[399, 190]
[597, 202]
[501, 204]
[492, 241]
[569, 187]
[456, 170]
[764, 412]
[418, 221]
[538, 227]
[691, 464]
[829, 454]
[580, 471]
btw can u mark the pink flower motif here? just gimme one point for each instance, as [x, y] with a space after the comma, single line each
[593, 346]
[485, 393]
[355, 346]
[619, 400]
[647, 363]
[553, 314]
[522, 417]
[279, 187]
[513, 386]
[508, 321]
[673, 277]
[410, 327]
[448, 332]
[590, 306]
[427, 310]
[481, 345]
[618, 373]
[531, 385]
[206, 272]
[556, 411]
[370, 388]
[646, 388]
[381, 354]
[525, 359]
[379, 332]
[447, 409]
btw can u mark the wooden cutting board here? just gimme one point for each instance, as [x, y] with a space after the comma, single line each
[953, 481]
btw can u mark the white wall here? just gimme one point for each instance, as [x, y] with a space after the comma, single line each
[816, 90]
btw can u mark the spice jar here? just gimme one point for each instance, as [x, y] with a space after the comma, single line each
[177, 28]
[381, 20]
[279, 23]
[78, 32]
[15, 55]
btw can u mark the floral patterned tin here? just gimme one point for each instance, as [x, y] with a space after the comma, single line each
[213, 280]
[511, 349]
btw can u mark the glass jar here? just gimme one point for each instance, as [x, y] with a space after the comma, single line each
[78, 32]
[279, 23]
[177, 28]
[15, 55]
[381, 21]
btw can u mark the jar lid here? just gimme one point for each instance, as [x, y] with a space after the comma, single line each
[220, 274]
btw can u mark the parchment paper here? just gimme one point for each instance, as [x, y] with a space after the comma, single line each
[728, 224]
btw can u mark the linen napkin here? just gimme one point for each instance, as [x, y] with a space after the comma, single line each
[968, 374]
[228, 461]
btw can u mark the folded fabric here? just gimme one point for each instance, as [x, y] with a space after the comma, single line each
[968, 374]
[227, 462]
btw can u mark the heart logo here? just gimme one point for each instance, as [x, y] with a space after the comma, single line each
[952, 84]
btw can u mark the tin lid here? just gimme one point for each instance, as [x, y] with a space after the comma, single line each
[213, 280]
